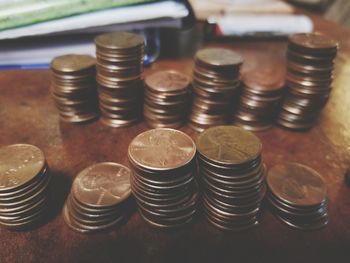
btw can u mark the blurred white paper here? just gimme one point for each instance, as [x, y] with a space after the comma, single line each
[274, 25]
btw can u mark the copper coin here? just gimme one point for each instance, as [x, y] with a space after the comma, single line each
[119, 40]
[167, 81]
[296, 184]
[162, 149]
[313, 41]
[219, 57]
[102, 184]
[228, 145]
[72, 63]
[20, 164]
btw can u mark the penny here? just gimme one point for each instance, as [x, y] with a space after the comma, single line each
[228, 145]
[72, 63]
[162, 149]
[119, 68]
[102, 184]
[296, 184]
[309, 77]
[219, 57]
[24, 185]
[313, 41]
[119, 40]
[19, 164]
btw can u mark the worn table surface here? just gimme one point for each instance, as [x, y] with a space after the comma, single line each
[27, 115]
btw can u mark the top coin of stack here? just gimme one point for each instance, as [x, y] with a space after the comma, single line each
[263, 87]
[97, 198]
[24, 184]
[74, 87]
[215, 84]
[163, 179]
[119, 68]
[298, 196]
[309, 79]
[233, 176]
[166, 99]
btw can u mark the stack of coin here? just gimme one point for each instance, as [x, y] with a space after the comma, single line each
[232, 176]
[74, 87]
[98, 197]
[166, 99]
[260, 99]
[119, 68]
[309, 79]
[215, 83]
[24, 184]
[163, 180]
[297, 195]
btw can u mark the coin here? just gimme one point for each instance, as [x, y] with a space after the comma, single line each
[219, 57]
[228, 145]
[166, 99]
[309, 78]
[97, 197]
[162, 149]
[74, 87]
[119, 68]
[163, 181]
[72, 63]
[298, 196]
[215, 87]
[232, 175]
[24, 185]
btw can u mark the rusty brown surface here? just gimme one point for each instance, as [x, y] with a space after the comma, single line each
[27, 115]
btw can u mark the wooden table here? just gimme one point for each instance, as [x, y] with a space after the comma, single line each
[27, 115]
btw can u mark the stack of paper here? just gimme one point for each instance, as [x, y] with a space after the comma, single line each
[40, 42]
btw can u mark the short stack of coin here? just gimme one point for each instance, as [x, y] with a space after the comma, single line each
[163, 161]
[98, 197]
[260, 99]
[119, 68]
[298, 196]
[74, 87]
[309, 78]
[232, 176]
[166, 99]
[215, 85]
[24, 184]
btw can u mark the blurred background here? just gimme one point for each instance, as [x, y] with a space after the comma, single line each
[32, 32]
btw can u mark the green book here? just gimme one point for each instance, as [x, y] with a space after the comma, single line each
[18, 13]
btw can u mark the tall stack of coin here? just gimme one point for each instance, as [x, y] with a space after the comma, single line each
[166, 99]
[24, 184]
[298, 196]
[98, 197]
[232, 176]
[260, 100]
[309, 79]
[119, 68]
[74, 87]
[163, 180]
[215, 83]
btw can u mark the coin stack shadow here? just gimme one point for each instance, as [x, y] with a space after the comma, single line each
[309, 79]
[24, 187]
[215, 87]
[232, 176]
[163, 182]
[262, 91]
[74, 87]
[119, 68]
[166, 99]
[297, 195]
[98, 198]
